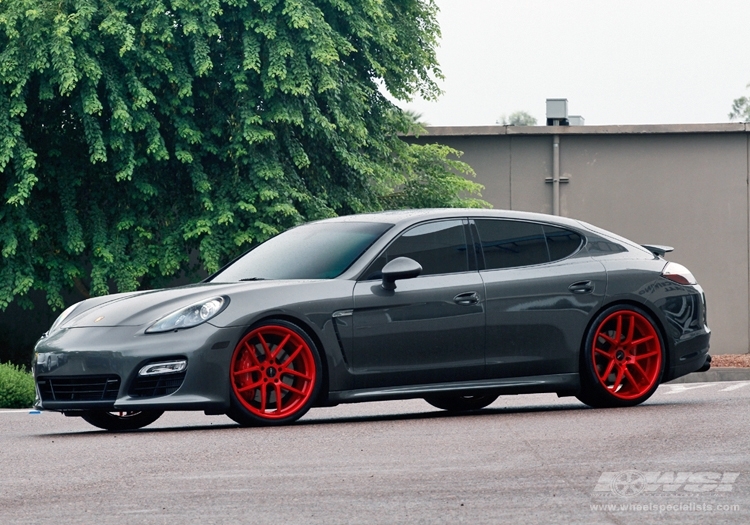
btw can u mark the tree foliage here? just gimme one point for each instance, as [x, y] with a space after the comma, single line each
[136, 132]
[740, 109]
[517, 118]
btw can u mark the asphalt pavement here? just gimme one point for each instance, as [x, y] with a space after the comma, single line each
[715, 374]
[682, 457]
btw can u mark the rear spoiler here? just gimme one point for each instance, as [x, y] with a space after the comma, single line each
[658, 249]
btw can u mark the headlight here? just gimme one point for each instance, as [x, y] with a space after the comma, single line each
[60, 319]
[189, 316]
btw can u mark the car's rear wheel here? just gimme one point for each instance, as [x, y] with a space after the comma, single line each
[622, 360]
[460, 403]
[118, 421]
[275, 375]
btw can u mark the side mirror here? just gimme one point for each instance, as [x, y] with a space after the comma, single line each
[399, 268]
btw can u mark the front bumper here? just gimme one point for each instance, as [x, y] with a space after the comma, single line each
[85, 361]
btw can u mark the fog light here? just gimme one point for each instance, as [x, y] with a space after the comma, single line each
[168, 367]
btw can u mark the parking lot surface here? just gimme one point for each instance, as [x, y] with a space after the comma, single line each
[682, 457]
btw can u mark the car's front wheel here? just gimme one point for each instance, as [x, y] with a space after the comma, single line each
[622, 358]
[119, 421]
[275, 375]
[460, 403]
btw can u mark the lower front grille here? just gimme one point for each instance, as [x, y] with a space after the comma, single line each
[79, 388]
[158, 385]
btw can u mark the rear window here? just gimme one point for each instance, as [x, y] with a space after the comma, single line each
[510, 244]
[561, 242]
[507, 244]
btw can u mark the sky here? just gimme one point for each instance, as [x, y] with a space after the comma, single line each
[616, 61]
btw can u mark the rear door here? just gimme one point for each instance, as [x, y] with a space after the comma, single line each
[541, 290]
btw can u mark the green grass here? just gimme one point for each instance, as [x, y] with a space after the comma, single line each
[16, 387]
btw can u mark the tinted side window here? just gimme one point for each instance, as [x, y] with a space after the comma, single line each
[440, 247]
[602, 247]
[560, 242]
[507, 244]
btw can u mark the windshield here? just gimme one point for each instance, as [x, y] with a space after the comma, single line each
[313, 251]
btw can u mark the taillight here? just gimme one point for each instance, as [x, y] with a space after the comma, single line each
[678, 273]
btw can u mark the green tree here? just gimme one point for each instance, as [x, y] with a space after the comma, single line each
[518, 118]
[740, 109]
[136, 132]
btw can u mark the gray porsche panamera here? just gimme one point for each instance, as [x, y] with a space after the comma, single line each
[453, 306]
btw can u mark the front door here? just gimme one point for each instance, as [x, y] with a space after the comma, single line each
[431, 328]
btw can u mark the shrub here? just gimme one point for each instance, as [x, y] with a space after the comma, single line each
[16, 387]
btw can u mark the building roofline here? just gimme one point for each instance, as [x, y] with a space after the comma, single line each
[640, 129]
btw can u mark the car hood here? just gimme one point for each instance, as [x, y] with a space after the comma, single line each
[139, 308]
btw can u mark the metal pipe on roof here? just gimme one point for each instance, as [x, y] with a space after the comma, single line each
[556, 175]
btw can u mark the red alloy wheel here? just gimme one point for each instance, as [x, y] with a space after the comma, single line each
[273, 372]
[627, 354]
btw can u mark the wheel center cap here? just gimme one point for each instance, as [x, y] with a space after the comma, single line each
[271, 372]
[620, 355]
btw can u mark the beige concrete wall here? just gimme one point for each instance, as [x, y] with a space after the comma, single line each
[684, 187]
[490, 159]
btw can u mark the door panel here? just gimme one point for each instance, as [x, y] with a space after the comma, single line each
[537, 315]
[430, 329]
[540, 296]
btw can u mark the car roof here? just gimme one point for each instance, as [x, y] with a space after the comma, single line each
[412, 216]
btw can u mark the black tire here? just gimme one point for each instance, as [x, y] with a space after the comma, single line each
[622, 358]
[263, 371]
[119, 421]
[460, 402]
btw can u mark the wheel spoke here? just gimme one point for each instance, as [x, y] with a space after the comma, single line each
[292, 357]
[641, 340]
[618, 332]
[618, 379]
[291, 389]
[604, 353]
[263, 343]
[263, 398]
[608, 371]
[631, 378]
[640, 369]
[278, 397]
[295, 373]
[251, 386]
[250, 350]
[607, 338]
[631, 329]
[280, 346]
[247, 370]
[645, 356]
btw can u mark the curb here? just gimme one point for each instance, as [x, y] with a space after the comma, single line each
[714, 374]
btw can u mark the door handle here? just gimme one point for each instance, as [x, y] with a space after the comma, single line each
[581, 287]
[466, 298]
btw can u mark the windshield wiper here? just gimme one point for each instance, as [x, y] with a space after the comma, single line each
[253, 279]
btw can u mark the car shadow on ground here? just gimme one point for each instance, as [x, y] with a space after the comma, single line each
[376, 418]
